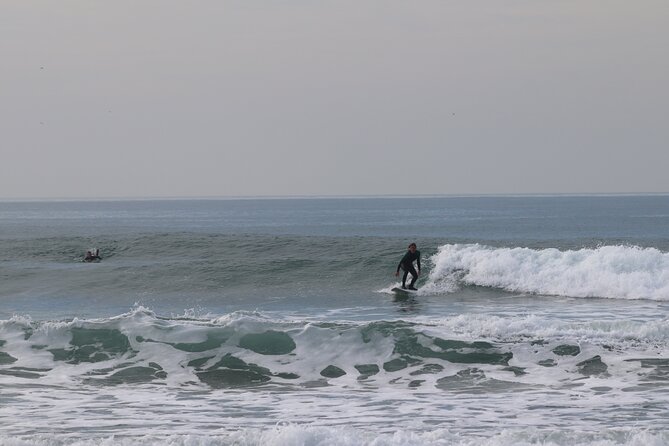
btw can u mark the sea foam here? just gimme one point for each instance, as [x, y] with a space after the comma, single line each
[619, 272]
[284, 435]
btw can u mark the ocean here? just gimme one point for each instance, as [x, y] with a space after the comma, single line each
[539, 320]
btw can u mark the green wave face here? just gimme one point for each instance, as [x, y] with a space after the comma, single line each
[244, 354]
[249, 350]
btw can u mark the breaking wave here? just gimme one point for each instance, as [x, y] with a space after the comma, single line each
[618, 272]
[244, 349]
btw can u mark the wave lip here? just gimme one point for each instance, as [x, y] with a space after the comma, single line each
[617, 272]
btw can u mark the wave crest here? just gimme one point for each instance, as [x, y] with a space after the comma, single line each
[619, 272]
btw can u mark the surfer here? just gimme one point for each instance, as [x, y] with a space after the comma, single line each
[90, 257]
[412, 255]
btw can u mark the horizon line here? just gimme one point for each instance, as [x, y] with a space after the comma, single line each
[331, 196]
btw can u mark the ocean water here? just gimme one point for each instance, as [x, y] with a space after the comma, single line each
[539, 320]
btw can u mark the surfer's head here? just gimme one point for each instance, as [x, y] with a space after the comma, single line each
[412, 247]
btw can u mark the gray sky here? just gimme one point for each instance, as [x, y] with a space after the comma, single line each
[351, 97]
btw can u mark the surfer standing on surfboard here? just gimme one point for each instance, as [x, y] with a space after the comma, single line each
[412, 255]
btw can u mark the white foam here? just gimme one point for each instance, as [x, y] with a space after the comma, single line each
[289, 435]
[621, 272]
[531, 326]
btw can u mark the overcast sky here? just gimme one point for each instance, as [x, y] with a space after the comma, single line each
[163, 98]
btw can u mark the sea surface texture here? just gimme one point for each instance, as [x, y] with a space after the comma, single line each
[539, 321]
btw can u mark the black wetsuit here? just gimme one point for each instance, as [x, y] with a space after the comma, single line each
[90, 257]
[407, 265]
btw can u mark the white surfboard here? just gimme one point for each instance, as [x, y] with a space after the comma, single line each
[403, 290]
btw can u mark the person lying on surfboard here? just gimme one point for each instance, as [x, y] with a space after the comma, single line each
[412, 255]
[91, 257]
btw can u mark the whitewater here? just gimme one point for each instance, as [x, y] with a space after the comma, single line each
[618, 272]
[539, 320]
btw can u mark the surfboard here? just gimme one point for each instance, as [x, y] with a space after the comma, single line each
[403, 291]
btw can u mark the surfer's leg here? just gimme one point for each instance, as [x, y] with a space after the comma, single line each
[414, 276]
[404, 278]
